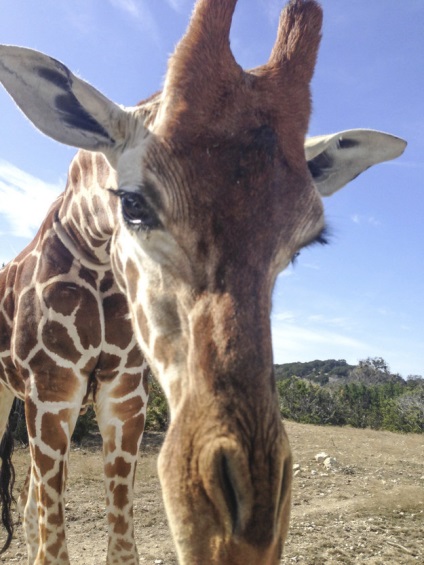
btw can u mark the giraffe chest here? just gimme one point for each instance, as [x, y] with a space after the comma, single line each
[71, 324]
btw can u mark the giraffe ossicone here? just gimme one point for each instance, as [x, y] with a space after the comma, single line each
[163, 251]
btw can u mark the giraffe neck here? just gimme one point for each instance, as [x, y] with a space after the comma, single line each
[85, 218]
[74, 237]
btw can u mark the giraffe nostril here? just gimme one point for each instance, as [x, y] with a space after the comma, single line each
[227, 483]
[229, 491]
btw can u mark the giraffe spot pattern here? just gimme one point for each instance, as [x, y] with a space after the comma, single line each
[65, 340]
[58, 341]
[130, 426]
[51, 385]
[89, 277]
[25, 330]
[54, 258]
[117, 325]
[53, 430]
[119, 468]
[120, 496]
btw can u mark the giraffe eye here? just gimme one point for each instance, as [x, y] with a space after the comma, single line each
[136, 211]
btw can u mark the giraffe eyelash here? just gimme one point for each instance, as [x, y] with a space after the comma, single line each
[136, 212]
[323, 238]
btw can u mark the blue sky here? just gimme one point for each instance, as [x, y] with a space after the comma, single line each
[362, 295]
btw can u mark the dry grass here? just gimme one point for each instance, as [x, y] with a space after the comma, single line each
[368, 509]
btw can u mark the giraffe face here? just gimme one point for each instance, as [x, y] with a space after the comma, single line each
[197, 253]
[225, 226]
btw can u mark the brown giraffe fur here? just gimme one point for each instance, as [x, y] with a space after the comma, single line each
[216, 197]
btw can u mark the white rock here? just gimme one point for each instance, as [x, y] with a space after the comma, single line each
[321, 457]
[330, 462]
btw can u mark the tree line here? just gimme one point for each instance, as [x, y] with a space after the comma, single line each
[367, 395]
[330, 392]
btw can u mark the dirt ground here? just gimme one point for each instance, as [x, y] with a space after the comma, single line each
[368, 508]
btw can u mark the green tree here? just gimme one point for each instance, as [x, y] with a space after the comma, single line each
[306, 402]
[405, 413]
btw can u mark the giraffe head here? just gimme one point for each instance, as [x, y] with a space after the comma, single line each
[216, 197]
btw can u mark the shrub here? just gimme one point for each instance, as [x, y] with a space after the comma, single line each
[157, 409]
[86, 424]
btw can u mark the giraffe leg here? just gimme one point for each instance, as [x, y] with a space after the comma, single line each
[121, 409]
[50, 425]
[7, 474]
[23, 495]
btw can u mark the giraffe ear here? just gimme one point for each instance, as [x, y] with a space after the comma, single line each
[58, 103]
[336, 159]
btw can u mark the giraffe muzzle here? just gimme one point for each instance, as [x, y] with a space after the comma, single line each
[231, 501]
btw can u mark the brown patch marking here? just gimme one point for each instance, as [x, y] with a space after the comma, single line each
[143, 324]
[52, 433]
[44, 462]
[128, 408]
[135, 358]
[89, 277]
[121, 525]
[62, 297]
[120, 496]
[131, 432]
[53, 384]
[57, 340]
[117, 326]
[87, 320]
[128, 384]
[26, 324]
[56, 547]
[55, 259]
[107, 282]
[119, 468]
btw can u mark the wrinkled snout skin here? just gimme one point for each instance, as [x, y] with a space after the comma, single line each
[221, 509]
[214, 518]
[226, 466]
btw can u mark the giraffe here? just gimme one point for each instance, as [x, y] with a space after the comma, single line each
[66, 340]
[181, 210]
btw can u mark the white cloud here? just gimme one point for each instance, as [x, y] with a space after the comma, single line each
[139, 11]
[312, 266]
[331, 322]
[133, 8]
[373, 221]
[24, 201]
[315, 337]
[284, 316]
[370, 220]
[299, 337]
[273, 9]
[316, 318]
[296, 343]
[177, 5]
